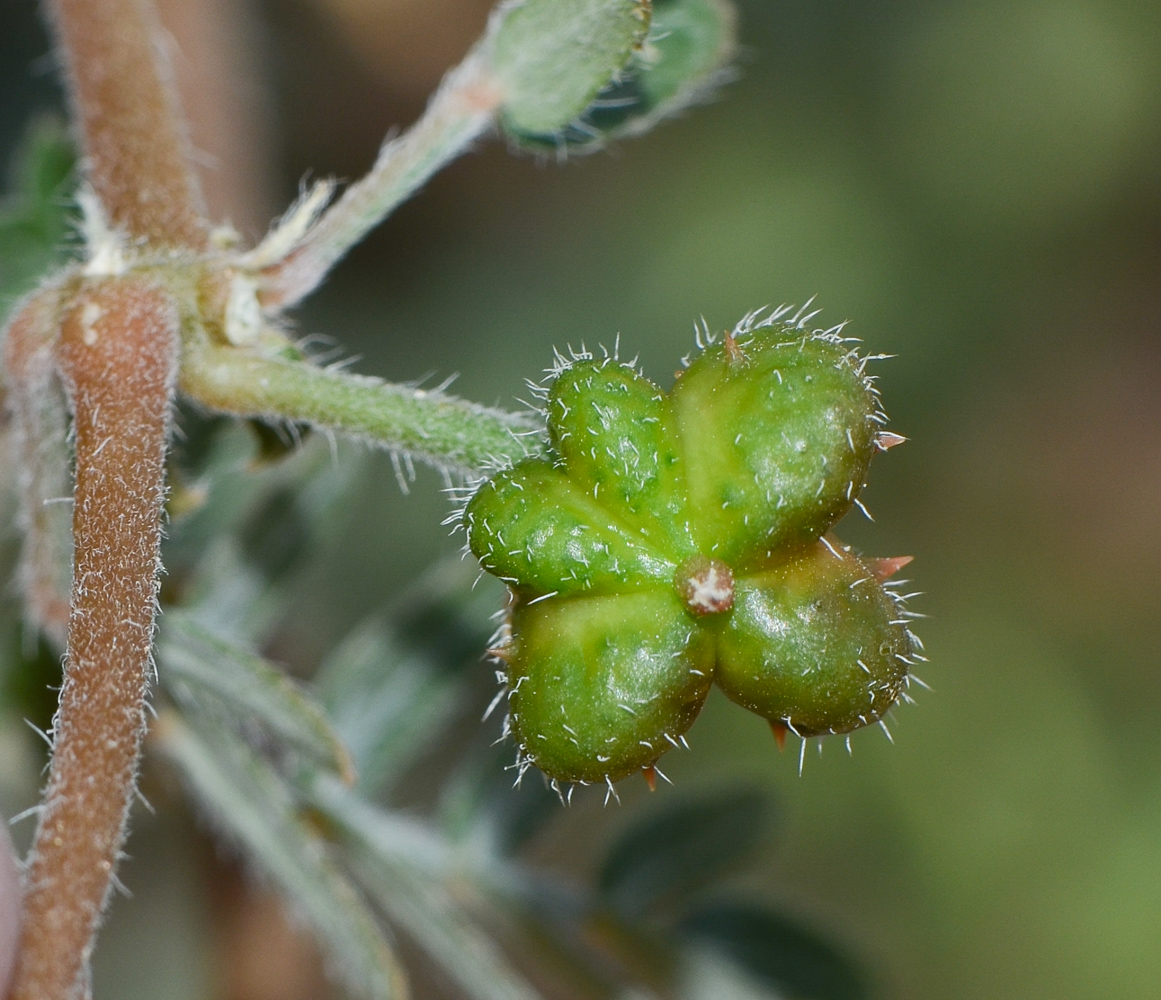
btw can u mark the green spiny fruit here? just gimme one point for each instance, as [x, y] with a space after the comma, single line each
[673, 540]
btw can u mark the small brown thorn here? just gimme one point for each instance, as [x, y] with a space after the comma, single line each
[779, 729]
[503, 653]
[884, 569]
[649, 773]
[885, 440]
[734, 353]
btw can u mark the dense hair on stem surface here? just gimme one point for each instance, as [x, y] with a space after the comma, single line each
[118, 356]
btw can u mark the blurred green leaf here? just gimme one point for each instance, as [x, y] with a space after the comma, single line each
[219, 496]
[390, 688]
[681, 848]
[251, 804]
[690, 41]
[245, 689]
[398, 838]
[479, 804]
[436, 921]
[34, 217]
[30, 684]
[276, 536]
[409, 871]
[779, 954]
[387, 701]
[707, 975]
[224, 462]
[551, 57]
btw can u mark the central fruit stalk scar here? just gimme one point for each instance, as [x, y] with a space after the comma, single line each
[705, 586]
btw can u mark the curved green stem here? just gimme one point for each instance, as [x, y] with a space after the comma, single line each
[451, 434]
[461, 110]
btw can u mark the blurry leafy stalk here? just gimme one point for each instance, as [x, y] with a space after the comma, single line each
[212, 670]
[252, 806]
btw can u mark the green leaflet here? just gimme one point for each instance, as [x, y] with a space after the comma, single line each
[251, 804]
[675, 539]
[247, 689]
[690, 41]
[776, 953]
[674, 853]
[393, 684]
[407, 871]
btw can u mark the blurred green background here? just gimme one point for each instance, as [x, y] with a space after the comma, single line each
[976, 186]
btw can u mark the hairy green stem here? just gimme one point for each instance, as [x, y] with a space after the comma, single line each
[451, 434]
[460, 111]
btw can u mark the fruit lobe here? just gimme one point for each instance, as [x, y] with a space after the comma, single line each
[600, 685]
[814, 642]
[617, 438]
[535, 528]
[777, 439]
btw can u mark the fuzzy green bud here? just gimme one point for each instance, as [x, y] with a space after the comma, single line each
[552, 57]
[684, 57]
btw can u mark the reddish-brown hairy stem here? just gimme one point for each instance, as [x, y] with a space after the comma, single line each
[118, 354]
[40, 427]
[130, 125]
